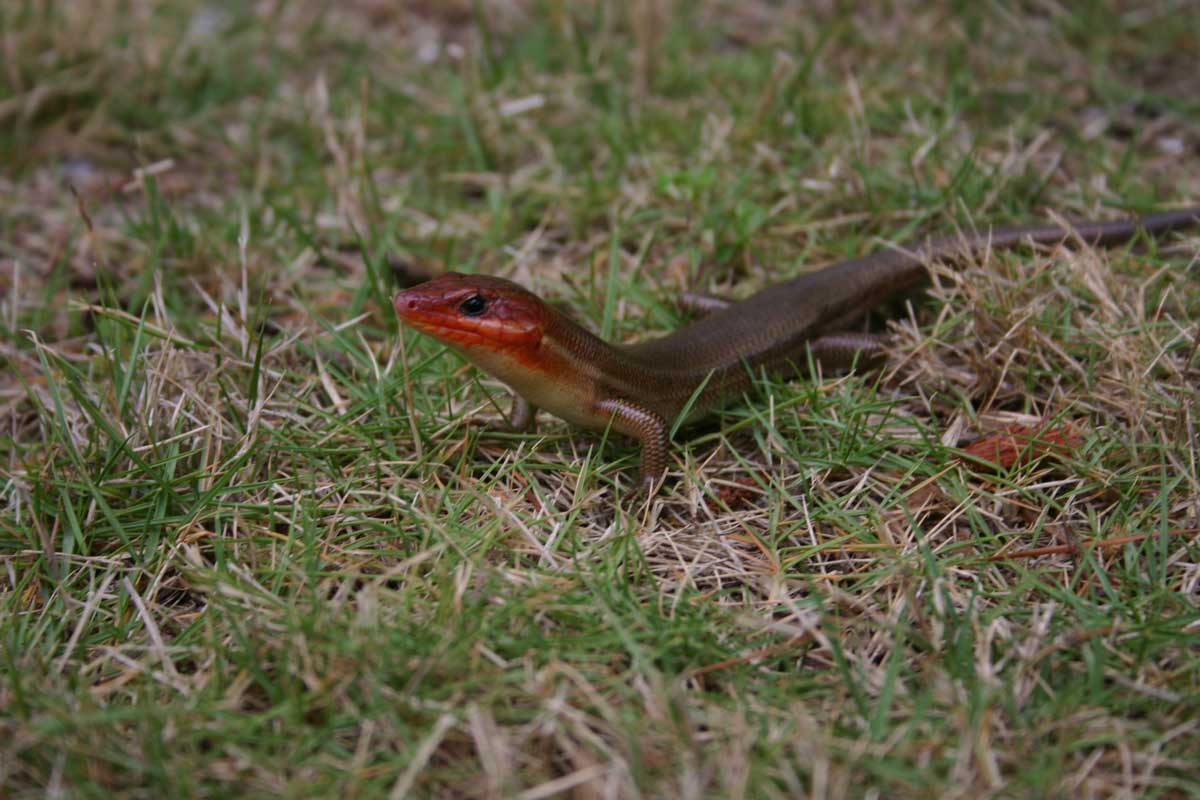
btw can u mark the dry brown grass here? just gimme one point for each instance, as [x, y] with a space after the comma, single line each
[254, 540]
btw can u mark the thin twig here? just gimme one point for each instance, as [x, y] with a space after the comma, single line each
[1116, 541]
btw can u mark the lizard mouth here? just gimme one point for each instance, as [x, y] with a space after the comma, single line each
[444, 329]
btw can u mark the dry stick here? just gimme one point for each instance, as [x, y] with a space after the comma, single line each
[87, 220]
[1071, 548]
[93, 240]
[423, 753]
[748, 656]
[1195, 348]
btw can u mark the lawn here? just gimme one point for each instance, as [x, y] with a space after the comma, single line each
[255, 539]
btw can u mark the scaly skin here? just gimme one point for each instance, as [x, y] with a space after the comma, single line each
[552, 363]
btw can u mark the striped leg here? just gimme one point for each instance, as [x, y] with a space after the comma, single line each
[648, 428]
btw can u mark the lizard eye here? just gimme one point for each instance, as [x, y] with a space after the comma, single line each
[474, 305]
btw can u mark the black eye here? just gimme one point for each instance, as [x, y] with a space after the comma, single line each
[474, 305]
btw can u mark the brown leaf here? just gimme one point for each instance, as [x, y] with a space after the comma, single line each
[739, 494]
[1021, 444]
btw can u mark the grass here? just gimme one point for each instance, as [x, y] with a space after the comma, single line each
[255, 540]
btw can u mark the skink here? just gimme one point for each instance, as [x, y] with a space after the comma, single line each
[552, 363]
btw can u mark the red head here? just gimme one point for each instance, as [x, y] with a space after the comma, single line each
[473, 311]
[509, 333]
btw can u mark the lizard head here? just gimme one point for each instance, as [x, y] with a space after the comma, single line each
[475, 314]
[510, 334]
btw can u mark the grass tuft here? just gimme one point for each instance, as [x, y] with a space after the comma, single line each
[255, 539]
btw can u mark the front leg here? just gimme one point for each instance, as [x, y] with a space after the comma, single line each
[702, 303]
[648, 428]
[521, 415]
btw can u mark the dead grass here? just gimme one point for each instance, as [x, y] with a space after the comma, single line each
[255, 541]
